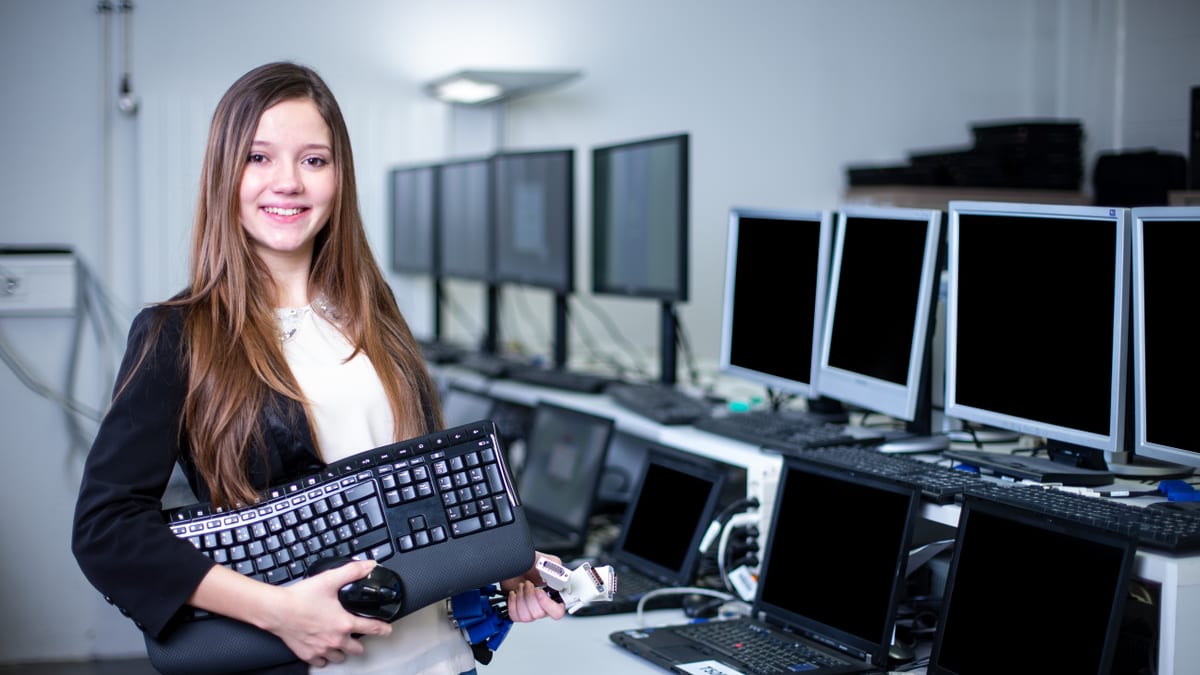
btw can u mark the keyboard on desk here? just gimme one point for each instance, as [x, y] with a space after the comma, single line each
[661, 403]
[785, 431]
[490, 365]
[937, 483]
[558, 378]
[440, 352]
[439, 510]
[1169, 531]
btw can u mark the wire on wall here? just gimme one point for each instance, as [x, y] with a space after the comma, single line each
[94, 310]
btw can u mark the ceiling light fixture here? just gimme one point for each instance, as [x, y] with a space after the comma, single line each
[478, 87]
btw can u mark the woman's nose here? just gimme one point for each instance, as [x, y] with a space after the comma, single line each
[286, 178]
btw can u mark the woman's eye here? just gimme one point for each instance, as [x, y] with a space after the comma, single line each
[256, 158]
[316, 161]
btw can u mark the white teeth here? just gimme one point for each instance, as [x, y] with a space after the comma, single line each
[281, 212]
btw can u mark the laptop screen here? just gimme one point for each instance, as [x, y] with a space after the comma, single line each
[834, 563]
[675, 501]
[463, 406]
[564, 458]
[1051, 593]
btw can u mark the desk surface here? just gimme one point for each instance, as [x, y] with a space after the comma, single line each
[575, 644]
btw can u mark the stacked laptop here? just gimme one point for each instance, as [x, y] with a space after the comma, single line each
[658, 550]
[831, 579]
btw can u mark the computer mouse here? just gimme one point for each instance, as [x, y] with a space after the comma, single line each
[379, 595]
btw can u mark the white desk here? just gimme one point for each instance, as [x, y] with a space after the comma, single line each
[575, 644]
[1177, 577]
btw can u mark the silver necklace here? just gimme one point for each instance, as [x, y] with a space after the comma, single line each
[291, 318]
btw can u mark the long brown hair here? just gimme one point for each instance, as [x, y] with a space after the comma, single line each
[233, 352]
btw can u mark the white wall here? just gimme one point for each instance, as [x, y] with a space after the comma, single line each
[778, 96]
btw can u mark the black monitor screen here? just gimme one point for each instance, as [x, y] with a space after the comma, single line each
[1166, 363]
[773, 255]
[881, 295]
[640, 218]
[464, 220]
[1036, 320]
[534, 210]
[1058, 589]
[414, 243]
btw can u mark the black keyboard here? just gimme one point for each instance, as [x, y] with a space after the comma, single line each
[558, 378]
[663, 404]
[763, 650]
[440, 510]
[1162, 530]
[440, 352]
[785, 430]
[490, 365]
[937, 483]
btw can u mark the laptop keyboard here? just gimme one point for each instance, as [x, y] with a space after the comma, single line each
[763, 650]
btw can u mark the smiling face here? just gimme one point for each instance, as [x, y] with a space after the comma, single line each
[288, 184]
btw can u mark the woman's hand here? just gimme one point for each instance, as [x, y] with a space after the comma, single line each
[527, 601]
[312, 622]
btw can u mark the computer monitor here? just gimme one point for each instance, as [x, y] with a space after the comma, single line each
[640, 223]
[533, 198]
[464, 219]
[1165, 362]
[773, 254]
[534, 212]
[413, 192]
[875, 348]
[465, 235]
[1036, 314]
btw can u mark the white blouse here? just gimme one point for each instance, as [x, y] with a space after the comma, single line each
[350, 414]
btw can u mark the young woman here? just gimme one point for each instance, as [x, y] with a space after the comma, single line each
[286, 351]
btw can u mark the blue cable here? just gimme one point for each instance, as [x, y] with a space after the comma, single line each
[477, 615]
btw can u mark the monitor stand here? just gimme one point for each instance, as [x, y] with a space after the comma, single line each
[1122, 464]
[1141, 468]
[907, 443]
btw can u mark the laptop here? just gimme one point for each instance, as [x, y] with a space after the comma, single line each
[1028, 592]
[674, 502]
[461, 405]
[831, 579]
[564, 457]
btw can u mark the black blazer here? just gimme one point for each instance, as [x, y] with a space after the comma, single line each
[120, 540]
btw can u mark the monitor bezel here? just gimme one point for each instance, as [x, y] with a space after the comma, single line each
[411, 266]
[824, 219]
[486, 275]
[1112, 443]
[502, 259]
[901, 402]
[601, 284]
[1142, 446]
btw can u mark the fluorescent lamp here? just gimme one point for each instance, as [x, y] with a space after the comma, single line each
[474, 87]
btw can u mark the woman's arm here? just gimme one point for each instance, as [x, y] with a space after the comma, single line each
[120, 540]
[306, 615]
